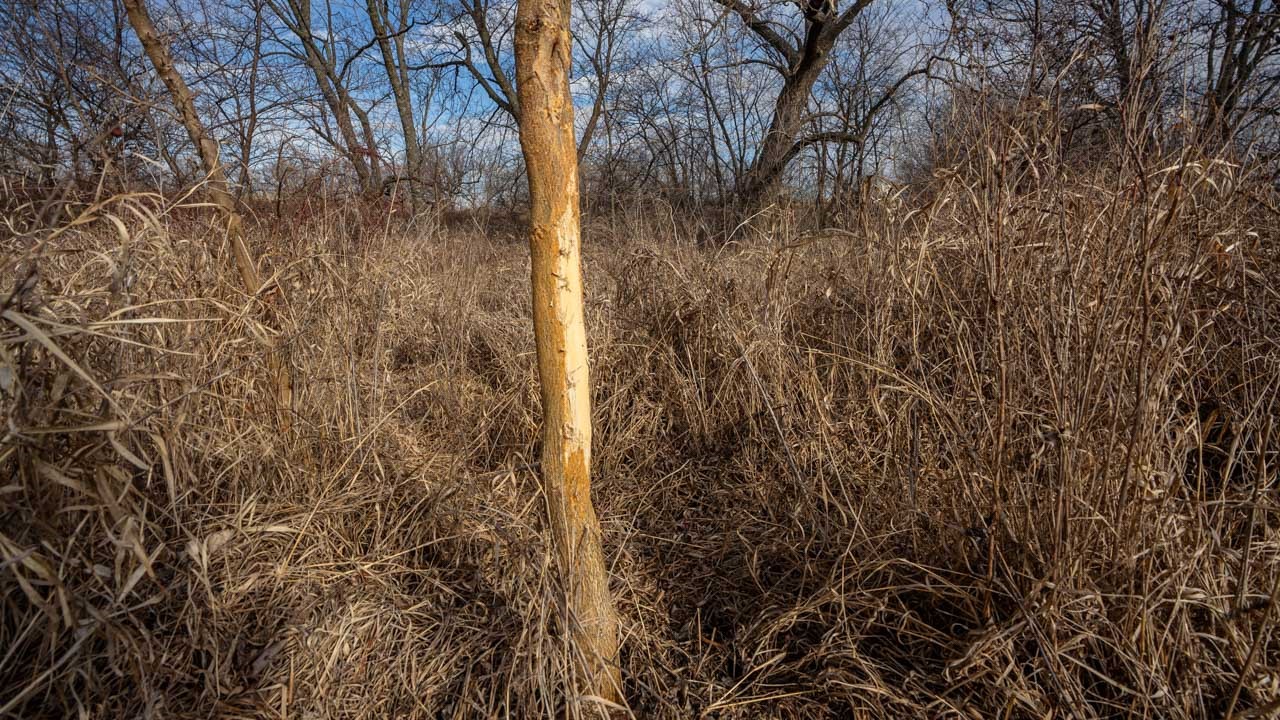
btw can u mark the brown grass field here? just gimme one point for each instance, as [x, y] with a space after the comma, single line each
[1002, 446]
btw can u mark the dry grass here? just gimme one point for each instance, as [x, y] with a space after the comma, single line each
[1004, 450]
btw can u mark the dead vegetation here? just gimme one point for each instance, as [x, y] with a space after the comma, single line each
[1004, 447]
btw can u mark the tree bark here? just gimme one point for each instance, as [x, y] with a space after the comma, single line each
[801, 64]
[777, 148]
[1242, 40]
[543, 44]
[296, 15]
[393, 62]
[221, 196]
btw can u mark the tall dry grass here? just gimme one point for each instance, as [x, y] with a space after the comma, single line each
[1005, 448]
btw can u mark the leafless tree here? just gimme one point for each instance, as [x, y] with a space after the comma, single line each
[543, 66]
[390, 24]
[798, 40]
[482, 33]
[72, 90]
[207, 147]
[1242, 66]
[331, 76]
[694, 103]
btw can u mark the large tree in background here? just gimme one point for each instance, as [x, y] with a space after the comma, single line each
[390, 25]
[318, 51]
[543, 62]
[1241, 74]
[799, 38]
[696, 102]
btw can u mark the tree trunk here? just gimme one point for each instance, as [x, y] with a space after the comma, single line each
[789, 112]
[765, 173]
[184, 102]
[296, 15]
[370, 148]
[543, 45]
[393, 61]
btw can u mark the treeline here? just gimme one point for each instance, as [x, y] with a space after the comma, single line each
[699, 102]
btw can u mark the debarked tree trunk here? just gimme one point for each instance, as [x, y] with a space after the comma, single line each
[543, 47]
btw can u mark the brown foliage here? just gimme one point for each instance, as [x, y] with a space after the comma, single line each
[1010, 453]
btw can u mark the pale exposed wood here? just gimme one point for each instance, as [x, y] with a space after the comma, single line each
[543, 47]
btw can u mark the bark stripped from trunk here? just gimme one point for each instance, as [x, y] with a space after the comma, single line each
[543, 47]
[185, 104]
